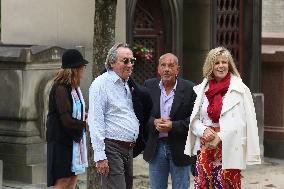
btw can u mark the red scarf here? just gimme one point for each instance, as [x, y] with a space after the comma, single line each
[214, 95]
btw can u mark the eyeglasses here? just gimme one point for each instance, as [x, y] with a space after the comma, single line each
[128, 60]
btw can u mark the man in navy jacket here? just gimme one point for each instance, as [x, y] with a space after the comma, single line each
[173, 99]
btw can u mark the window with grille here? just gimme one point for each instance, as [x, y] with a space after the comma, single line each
[229, 28]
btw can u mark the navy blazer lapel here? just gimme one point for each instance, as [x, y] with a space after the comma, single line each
[179, 94]
[156, 98]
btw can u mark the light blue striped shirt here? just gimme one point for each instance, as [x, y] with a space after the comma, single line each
[111, 113]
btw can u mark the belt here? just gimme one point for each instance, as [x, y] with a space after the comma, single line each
[122, 143]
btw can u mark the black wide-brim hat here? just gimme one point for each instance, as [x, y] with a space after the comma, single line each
[72, 58]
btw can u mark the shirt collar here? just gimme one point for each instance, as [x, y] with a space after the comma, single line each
[114, 77]
[162, 87]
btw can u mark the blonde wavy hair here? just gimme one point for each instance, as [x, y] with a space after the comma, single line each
[212, 58]
[68, 76]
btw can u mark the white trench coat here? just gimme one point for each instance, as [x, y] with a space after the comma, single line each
[238, 126]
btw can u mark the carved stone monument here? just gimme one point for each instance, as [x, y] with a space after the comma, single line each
[26, 73]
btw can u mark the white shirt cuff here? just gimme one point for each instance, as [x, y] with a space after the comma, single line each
[99, 156]
[200, 128]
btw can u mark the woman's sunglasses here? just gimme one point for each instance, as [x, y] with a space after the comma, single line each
[128, 60]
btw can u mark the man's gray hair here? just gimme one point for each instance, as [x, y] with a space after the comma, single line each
[112, 54]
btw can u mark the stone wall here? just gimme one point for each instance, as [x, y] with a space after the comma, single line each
[273, 90]
[272, 76]
[64, 23]
[272, 15]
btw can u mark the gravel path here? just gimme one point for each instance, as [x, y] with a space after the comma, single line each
[270, 174]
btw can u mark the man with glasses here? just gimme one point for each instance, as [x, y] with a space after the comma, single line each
[173, 99]
[118, 109]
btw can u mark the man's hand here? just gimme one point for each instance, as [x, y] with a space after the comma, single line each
[157, 122]
[163, 124]
[208, 134]
[102, 167]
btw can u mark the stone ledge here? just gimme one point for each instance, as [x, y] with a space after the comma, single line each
[272, 38]
[272, 48]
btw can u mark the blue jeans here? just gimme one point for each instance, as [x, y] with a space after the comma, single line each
[160, 167]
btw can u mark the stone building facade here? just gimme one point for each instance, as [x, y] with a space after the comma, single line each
[273, 16]
[188, 28]
[272, 76]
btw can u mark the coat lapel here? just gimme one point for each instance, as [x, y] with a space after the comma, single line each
[178, 98]
[156, 98]
[231, 99]
[199, 91]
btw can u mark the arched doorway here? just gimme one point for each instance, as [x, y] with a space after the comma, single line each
[148, 38]
[154, 27]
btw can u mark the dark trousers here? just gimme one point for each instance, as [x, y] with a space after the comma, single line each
[120, 161]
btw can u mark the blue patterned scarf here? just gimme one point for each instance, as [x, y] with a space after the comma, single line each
[79, 155]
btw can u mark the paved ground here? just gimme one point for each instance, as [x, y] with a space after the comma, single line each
[270, 174]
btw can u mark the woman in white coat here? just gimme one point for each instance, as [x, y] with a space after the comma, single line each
[223, 129]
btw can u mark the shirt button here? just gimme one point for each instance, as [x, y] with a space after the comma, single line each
[236, 148]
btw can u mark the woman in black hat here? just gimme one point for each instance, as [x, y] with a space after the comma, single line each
[66, 124]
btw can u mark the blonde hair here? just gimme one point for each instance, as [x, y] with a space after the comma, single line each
[212, 58]
[68, 76]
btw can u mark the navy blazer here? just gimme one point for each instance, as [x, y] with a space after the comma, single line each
[180, 115]
[142, 105]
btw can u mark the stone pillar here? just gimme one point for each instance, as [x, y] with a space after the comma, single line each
[197, 37]
[26, 73]
[258, 99]
[252, 72]
[1, 173]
